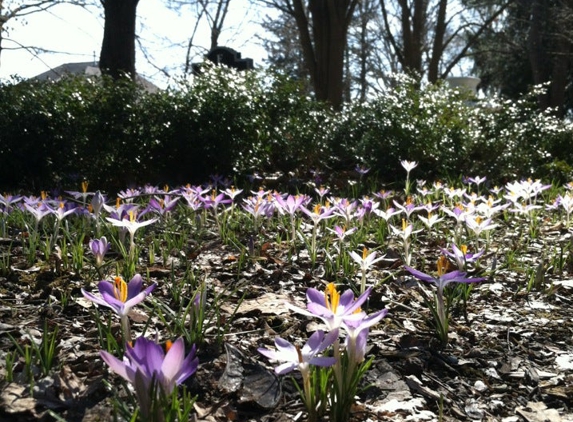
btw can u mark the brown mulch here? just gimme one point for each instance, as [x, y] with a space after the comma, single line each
[510, 358]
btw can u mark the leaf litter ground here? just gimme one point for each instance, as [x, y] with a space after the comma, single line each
[510, 356]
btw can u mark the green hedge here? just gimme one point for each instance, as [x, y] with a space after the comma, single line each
[113, 134]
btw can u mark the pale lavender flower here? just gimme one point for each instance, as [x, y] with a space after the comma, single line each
[119, 295]
[408, 207]
[162, 205]
[367, 260]
[322, 191]
[232, 193]
[332, 307]
[291, 204]
[479, 225]
[461, 255]
[431, 220]
[386, 215]
[476, 180]
[361, 170]
[318, 212]
[341, 232]
[300, 358]
[357, 334]
[409, 165]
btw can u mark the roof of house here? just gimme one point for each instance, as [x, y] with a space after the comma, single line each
[88, 69]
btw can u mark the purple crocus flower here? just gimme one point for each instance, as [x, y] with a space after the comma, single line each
[441, 282]
[99, 248]
[64, 209]
[443, 278]
[291, 204]
[294, 357]
[39, 211]
[357, 334]
[162, 206]
[318, 213]
[342, 232]
[119, 295]
[146, 366]
[332, 307]
[361, 170]
[461, 255]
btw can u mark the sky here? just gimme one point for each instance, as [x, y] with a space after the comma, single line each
[73, 34]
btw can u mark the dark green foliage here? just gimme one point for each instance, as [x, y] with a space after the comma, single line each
[114, 134]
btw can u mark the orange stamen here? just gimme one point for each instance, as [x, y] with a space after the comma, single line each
[120, 289]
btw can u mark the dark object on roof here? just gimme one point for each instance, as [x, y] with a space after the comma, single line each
[226, 56]
[87, 69]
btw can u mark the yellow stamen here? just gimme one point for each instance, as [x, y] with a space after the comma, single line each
[84, 186]
[464, 249]
[90, 208]
[316, 209]
[364, 253]
[117, 202]
[442, 265]
[43, 195]
[331, 297]
[166, 188]
[132, 216]
[404, 225]
[120, 289]
[61, 205]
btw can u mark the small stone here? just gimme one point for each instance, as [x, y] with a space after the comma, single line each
[480, 386]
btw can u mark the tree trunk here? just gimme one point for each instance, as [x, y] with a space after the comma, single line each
[438, 47]
[117, 57]
[324, 48]
[535, 49]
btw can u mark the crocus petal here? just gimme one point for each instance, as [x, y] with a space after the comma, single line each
[328, 340]
[271, 354]
[133, 301]
[134, 286]
[286, 349]
[285, 368]
[313, 343]
[119, 367]
[173, 359]
[95, 299]
[105, 286]
[146, 355]
[319, 310]
[358, 302]
[420, 275]
[189, 366]
[315, 296]
[346, 300]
